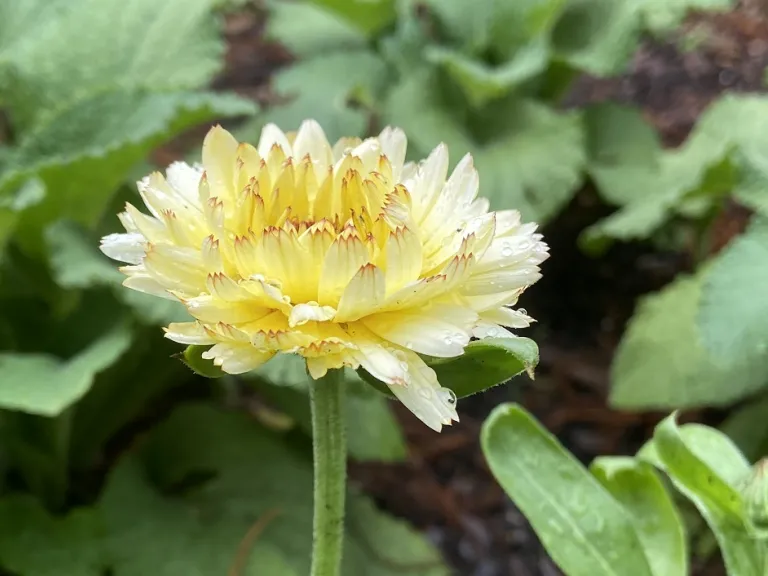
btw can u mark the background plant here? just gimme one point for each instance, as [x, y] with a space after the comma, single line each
[84, 370]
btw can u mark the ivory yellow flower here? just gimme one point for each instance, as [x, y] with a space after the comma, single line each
[345, 255]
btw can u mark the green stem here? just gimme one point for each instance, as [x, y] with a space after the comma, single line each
[330, 456]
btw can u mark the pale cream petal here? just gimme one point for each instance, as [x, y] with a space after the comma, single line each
[185, 180]
[236, 358]
[129, 248]
[394, 145]
[188, 333]
[346, 255]
[318, 366]
[368, 151]
[311, 140]
[344, 146]
[311, 311]
[219, 156]
[507, 317]
[485, 329]
[501, 281]
[363, 294]
[271, 135]
[441, 330]
[403, 259]
[210, 309]
[176, 268]
[425, 187]
[423, 395]
[148, 285]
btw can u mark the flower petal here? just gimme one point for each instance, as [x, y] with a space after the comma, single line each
[129, 248]
[363, 294]
[271, 135]
[188, 333]
[303, 313]
[441, 330]
[237, 358]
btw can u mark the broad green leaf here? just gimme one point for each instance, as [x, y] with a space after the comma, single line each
[373, 433]
[748, 428]
[515, 162]
[77, 263]
[732, 133]
[249, 480]
[707, 468]
[323, 88]
[660, 362]
[639, 490]
[732, 303]
[308, 30]
[369, 16]
[585, 531]
[72, 50]
[85, 152]
[597, 36]
[33, 543]
[481, 82]
[46, 385]
[255, 472]
[622, 149]
[484, 364]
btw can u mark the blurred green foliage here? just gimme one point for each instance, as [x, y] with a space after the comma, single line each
[88, 89]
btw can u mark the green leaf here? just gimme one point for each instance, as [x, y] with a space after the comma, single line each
[731, 134]
[661, 364]
[515, 161]
[639, 490]
[748, 428]
[373, 433]
[322, 88]
[484, 364]
[369, 16]
[33, 543]
[77, 263]
[481, 82]
[583, 528]
[622, 149]
[732, 303]
[249, 481]
[70, 50]
[85, 152]
[46, 385]
[192, 357]
[597, 36]
[308, 30]
[707, 468]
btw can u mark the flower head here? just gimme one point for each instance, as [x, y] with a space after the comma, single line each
[345, 255]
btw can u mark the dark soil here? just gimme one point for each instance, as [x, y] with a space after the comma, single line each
[582, 304]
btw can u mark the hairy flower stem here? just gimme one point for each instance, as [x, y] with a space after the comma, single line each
[330, 456]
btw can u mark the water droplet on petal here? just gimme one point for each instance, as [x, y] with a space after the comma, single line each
[409, 345]
[493, 332]
[447, 395]
[523, 311]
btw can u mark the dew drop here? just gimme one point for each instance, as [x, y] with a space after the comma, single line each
[409, 345]
[506, 250]
[447, 395]
[523, 311]
[493, 332]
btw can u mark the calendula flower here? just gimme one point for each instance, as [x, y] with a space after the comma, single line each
[345, 255]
